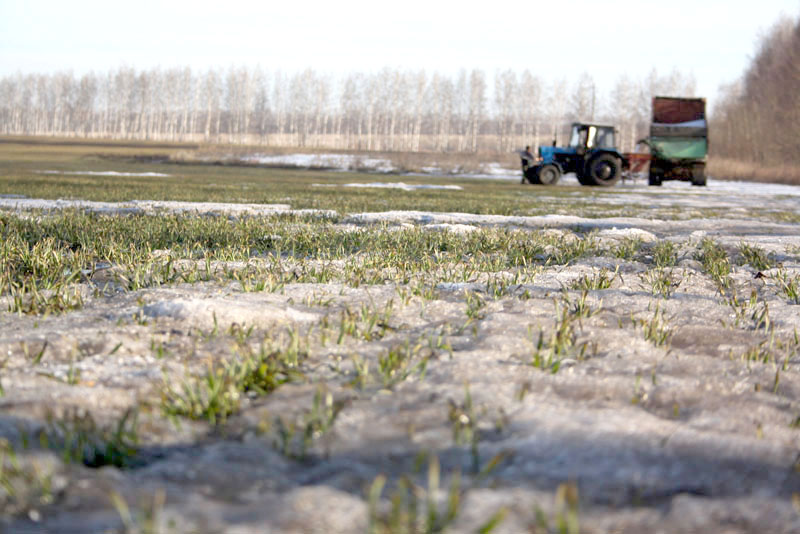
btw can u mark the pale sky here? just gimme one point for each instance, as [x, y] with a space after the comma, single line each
[711, 39]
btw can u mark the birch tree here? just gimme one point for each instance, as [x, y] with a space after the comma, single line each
[530, 107]
[212, 96]
[624, 111]
[477, 106]
[583, 99]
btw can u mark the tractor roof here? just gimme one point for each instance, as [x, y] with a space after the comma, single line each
[593, 124]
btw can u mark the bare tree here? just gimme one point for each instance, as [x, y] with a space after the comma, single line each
[583, 99]
[506, 107]
[557, 105]
[261, 104]
[477, 106]
[420, 81]
[530, 107]
[624, 111]
[85, 104]
[350, 109]
[212, 94]
[760, 114]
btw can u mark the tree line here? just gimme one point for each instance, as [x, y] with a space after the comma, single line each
[388, 110]
[758, 117]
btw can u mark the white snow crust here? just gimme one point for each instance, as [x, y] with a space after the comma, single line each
[156, 206]
[394, 185]
[325, 161]
[243, 310]
[105, 173]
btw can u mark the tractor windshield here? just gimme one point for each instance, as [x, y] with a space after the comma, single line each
[579, 135]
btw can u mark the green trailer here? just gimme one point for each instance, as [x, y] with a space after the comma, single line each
[678, 140]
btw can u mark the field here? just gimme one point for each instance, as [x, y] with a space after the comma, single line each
[220, 348]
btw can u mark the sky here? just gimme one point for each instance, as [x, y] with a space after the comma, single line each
[713, 40]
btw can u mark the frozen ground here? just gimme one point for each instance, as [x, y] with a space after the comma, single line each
[106, 173]
[352, 162]
[720, 195]
[394, 185]
[697, 434]
[322, 161]
[154, 207]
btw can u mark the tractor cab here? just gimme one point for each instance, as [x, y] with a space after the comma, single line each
[590, 136]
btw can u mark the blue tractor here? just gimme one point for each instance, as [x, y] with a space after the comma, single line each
[591, 154]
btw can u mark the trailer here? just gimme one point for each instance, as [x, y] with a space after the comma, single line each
[678, 140]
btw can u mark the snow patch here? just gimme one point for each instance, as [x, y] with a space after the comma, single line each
[394, 185]
[244, 310]
[159, 206]
[433, 218]
[343, 162]
[454, 228]
[494, 171]
[105, 173]
[460, 286]
[628, 233]
[638, 226]
[355, 162]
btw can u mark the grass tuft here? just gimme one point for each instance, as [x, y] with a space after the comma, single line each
[598, 281]
[656, 329]
[80, 440]
[716, 263]
[665, 254]
[755, 256]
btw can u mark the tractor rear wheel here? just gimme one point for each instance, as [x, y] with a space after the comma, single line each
[603, 169]
[548, 174]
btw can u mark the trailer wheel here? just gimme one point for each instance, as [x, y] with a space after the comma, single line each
[655, 177]
[548, 175]
[699, 174]
[603, 169]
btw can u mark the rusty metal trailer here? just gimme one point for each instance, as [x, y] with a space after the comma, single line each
[678, 140]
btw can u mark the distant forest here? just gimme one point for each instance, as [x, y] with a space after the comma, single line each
[757, 119]
[390, 110]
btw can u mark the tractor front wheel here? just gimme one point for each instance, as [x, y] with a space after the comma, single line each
[548, 174]
[603, 169]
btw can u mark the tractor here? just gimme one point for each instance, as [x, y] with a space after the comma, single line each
[591, 154]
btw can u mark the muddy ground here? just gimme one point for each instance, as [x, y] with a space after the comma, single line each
[658, 413]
